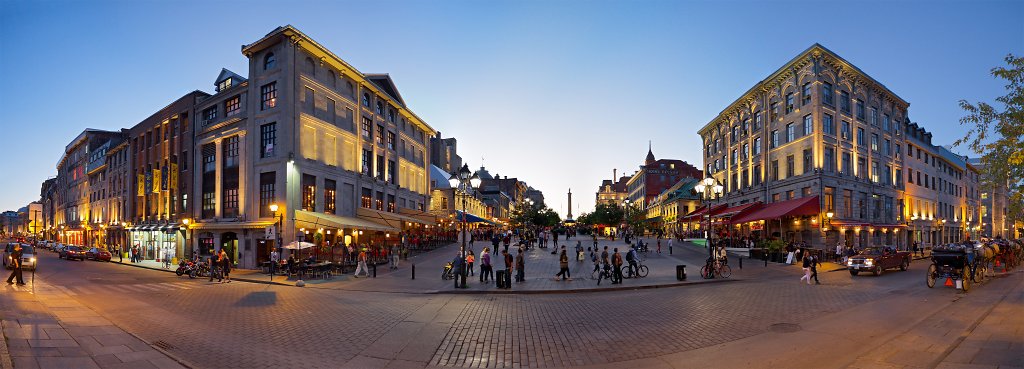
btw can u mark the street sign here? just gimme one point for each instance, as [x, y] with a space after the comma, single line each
[271, 232]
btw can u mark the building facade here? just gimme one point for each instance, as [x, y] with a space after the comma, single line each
[656, 176]
[817, 129]
[993, 210]
[73, 192]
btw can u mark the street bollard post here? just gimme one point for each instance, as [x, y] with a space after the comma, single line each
[414, 271]
[374, 270]
[670, 250]
[741, 262]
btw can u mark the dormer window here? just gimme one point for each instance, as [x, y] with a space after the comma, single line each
[366, 100]
[224, 85]
[269, 61]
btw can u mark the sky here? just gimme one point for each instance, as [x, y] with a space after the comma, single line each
[557, 93]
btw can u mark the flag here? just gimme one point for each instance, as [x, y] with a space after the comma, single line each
[173, 174]
[141, 191]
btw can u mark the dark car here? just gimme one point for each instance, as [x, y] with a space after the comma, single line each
[71, 253]
[98, 254]
[878, 259]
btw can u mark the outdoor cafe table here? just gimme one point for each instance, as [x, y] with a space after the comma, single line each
[319, 268]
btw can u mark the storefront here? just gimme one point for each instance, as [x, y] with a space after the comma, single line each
[156, 242]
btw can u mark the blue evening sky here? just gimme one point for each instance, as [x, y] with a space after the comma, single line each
[557, 93]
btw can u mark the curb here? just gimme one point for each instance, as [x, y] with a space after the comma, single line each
[249, 280]
[5, 355]
[583, 290]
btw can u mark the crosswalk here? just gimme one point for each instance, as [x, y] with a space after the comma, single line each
[94, 289]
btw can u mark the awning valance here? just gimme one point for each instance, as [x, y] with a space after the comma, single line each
[789, 208]
[470, 218]
[699, 213]
[389, 219]
[737, 210]
[310, 219]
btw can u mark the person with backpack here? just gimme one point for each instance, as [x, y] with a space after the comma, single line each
[563, 264]
[520, 266]
[631, 259]
[616, 267]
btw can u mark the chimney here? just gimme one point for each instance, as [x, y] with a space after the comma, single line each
[615, 174]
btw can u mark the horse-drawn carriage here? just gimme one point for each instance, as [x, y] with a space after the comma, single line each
[954, 262]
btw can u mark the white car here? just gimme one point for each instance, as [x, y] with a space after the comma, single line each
[28, 256]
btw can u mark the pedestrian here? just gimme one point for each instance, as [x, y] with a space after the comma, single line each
[563, 264]
[915, 248]
[275, 260]
[394, 256]
[120, 255]
[670, 244]
[507, 278]
[807, 269]
[16, 266]
[839, 252]
[616, 267]
[520, 267]
[459, 269]
[485, 265]
[594, 259]
[469, 261]
[579, 251]
[213, 262]
[225, 262]
[361, 264]
[814, 268]
[659, 244]
[631, 257]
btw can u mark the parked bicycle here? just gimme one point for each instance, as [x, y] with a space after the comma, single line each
[715, 267]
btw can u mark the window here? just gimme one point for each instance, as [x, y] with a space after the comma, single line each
[885, 122]
[380, 167]
[827, 125]
[230, 147]
[757, 175]
[888, 175]
[734, 158]
[826, 93]
[775, 197]
[308, 192]
[790, 133]
[790, 105]
[844, 102]
[746, 126]
[860, 109]
[391, 203]
[379, 201]
[847, 168]
[846, 133]
[392, 171]
[209, 115]
[790, 195]
[874, 172]
[366, 198]
[860, 137]
[232, 106]
[805, 192]
[830, 199]
[367, 131]
[847, 204]
[268, 95]
[757, 121]
[268, 139]
[366, 100]
[807, 161]
[380, 108]
[391, 141]
[887, 147]
[807, 93]
[774, 170]
[746, 151]
[899, 178]
[874, 116]
[876, 205]
[391, 115]
[775, 139]
[209, 158]
[774, 111]
[269, 61]
[367, 157]
[808, 124]
[230, 206]
[267, 183]
[862, 169]
[735, 133]
[790, 166]
[380, 134]
[874, 142]
[209, 205]
[330, 188]
[757, 146]
[862, 205]
[830, 159]
[224, 85]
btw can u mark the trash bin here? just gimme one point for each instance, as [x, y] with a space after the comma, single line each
[681, 272]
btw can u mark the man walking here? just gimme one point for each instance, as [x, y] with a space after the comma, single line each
[520, 267]
[616, 267]
[361, 264]
[506, 280]
[459, 270]
[814, 268]
[16, 266]
[563, 264]
[807, 261]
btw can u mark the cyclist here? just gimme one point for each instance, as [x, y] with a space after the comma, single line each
[631, 259]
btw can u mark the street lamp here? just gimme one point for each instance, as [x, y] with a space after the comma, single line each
[464, 181]
[277, 222]
[709, 190]
[188, 235]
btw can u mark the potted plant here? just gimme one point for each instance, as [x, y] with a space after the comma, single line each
[774, 249]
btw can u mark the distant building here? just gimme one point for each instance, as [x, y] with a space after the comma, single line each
[993, 208]
[444, 153]
[656, 176]
[612, 191]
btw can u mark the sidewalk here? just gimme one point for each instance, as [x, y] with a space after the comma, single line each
[44, 328]
[541, 266]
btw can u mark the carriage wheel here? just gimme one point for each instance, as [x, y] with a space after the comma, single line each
[980, 272]
[966, 279]
[931, 276]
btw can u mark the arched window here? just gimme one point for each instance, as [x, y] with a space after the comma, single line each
[269, 61]
[366, 100]
[331, 79]
[310, 67]
[380, 108]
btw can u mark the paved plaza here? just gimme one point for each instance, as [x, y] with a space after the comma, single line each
[763, 318]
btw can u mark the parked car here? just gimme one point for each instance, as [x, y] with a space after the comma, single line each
[98, 254]
[28, 256]
[878, 259]
[71, 253]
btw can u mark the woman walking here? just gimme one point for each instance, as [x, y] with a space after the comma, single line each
[225, 265]
[563, 263]
[470, 258]
[485, 265]
[807, 269]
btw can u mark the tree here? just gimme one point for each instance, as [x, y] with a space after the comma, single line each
[998, 136]
[606, 214]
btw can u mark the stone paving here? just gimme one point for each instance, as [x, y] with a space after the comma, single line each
[45, 328]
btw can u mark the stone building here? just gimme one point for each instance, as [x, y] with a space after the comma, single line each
[817, 136]
[993, 212]
[74, 219]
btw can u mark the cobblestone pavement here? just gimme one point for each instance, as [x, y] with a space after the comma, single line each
[749, 323]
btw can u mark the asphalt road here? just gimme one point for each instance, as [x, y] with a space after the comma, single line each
[767, 320]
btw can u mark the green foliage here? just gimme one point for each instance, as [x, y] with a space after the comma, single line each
[604, 214]
[535, 215]
[774, 245]
[999, 135]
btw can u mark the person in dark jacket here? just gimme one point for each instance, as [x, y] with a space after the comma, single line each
[458, 270]
[16, 267]
[563, 264]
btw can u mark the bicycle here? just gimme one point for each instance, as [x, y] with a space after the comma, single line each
[641, 271]
[713, 268]
[604, 273]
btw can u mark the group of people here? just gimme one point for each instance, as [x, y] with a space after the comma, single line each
[464, 261]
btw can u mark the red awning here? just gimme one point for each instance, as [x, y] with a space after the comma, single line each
[699, 213]
[889, 225]
[788, 208]
[737, 210]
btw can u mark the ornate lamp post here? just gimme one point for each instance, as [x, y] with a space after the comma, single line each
[277, 223]
[709, 190]
[463, 181]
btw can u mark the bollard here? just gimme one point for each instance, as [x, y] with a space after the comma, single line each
[374, 270]
[741, 262]
[670, 250]
[414, 271]
[765, 260]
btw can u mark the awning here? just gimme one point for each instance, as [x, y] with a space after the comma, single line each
[889, 225]
[737, 210]
[699, 213]
[425, 217]
[310, 219]
[470, 218]
[386, 218]
[653, 220]
[788, 208]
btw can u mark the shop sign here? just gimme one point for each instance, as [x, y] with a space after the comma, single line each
[756, 226]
